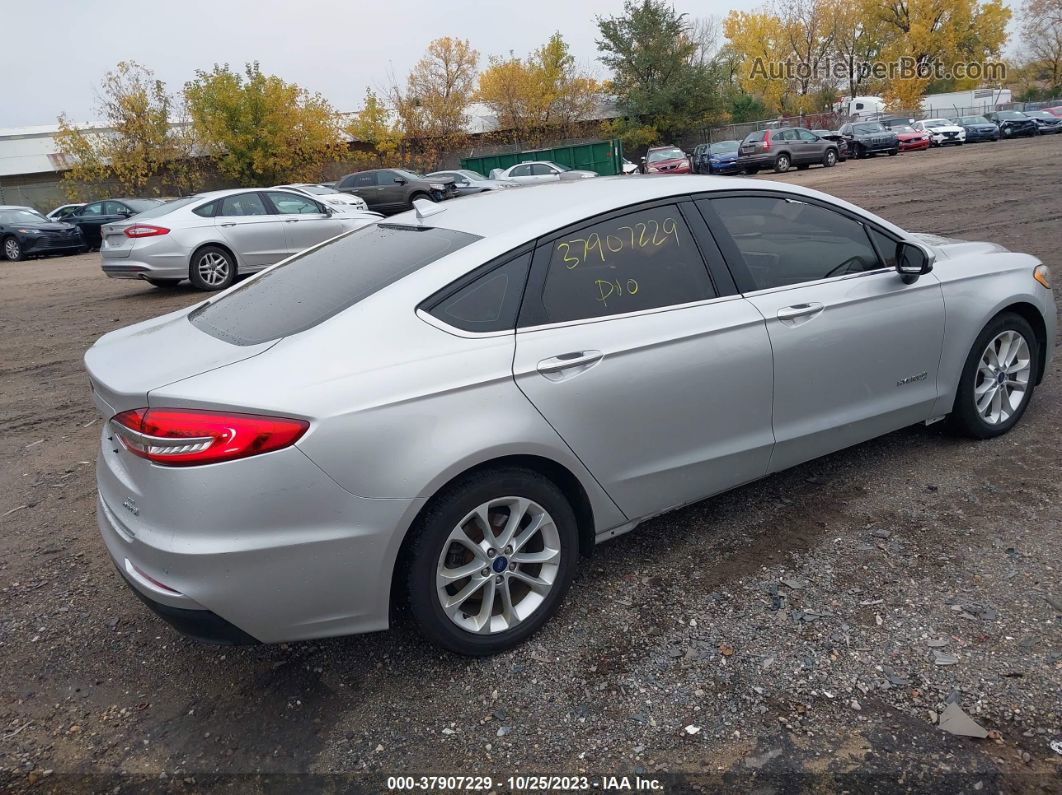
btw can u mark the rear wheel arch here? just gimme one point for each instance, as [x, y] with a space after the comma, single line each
[556, 473]
[215, 244]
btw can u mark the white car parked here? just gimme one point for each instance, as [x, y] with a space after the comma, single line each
[941, 131]
[538, 171]
[329, 196]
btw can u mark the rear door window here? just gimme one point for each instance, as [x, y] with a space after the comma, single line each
[312, 287]
[643, 260]
[243, 204]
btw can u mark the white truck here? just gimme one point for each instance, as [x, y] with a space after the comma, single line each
[972, 102]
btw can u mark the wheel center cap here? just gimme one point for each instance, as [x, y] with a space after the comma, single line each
[1001, 377]
[501, 563]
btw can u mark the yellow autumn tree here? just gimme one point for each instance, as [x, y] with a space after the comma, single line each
[927, 34]
[437, 90]
[138, 141]
[758, 40]
[261, 130]
[373, 125]
[545, 91]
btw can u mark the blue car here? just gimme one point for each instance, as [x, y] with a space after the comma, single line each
[978, 128]
[722, 157]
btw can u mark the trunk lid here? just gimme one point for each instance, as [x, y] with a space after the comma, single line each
[113, 242]
[125, 365]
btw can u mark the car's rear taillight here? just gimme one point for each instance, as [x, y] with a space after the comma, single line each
[145, 230]
[185, 437]
[767, 142]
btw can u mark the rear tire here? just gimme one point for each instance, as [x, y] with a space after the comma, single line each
[977, 413]
[164, 284]
[491, 561]
[13, 249]
[212, 268]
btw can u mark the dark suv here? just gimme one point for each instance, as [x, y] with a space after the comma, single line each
[866, 138]
[392, 190]
[787, 146]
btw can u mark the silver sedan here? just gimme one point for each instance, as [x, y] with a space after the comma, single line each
[450, 408]
[211, 238]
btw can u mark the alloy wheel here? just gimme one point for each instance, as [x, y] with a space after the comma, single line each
[213, 268]
[12, 250]
[498, 565]
[1003, 375]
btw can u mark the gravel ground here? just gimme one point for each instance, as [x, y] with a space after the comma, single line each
[804, 632]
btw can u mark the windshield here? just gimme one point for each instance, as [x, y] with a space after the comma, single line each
[470, 174]
[722, 147]
[937, 123]
[903, 128]
[22, 217]
[871, 127]
[1039, 114]
[665, 154]
[558, 166]
[301, 292]
[156, 211]
[139, 205]
[974, 120]
[1011, 114]
[408, 174]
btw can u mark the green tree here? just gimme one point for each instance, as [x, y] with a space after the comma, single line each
[659, 78]
[260, 130]
[140, 144]
[373, 125]
[438, 90]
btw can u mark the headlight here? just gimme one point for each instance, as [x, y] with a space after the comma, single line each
[1042, 274]
[30, 231]
[436, 186]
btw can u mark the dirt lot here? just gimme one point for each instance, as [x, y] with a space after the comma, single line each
[802, 632]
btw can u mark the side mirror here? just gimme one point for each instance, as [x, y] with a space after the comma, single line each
[643, 159]
[400, 180]
[912, 261]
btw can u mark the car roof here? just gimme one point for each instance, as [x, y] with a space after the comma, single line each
[529, 212]
[15, 207]
[216, 194]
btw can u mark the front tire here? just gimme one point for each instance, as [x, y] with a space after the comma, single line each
[12, 249]
[212, 268]
[782, 164]
[894, 152]
[417, 196]
[490, 561]
[998, 378]
[829, 160]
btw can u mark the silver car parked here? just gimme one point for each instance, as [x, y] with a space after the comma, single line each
[211, 238]
[451, 407]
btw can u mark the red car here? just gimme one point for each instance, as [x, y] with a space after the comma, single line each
[666, 160]
[1055, 111]
[911, 139]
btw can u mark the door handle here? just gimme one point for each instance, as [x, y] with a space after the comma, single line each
[798, 311]
[231, 223]
[556, 367]
[291, 220]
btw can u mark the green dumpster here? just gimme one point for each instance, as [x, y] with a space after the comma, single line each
[604, 157]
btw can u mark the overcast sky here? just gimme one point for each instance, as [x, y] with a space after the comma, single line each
[56, 52]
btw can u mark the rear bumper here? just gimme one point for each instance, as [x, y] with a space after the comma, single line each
[269, 545]
[126, 268]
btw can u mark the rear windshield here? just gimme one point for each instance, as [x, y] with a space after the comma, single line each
[168, 207]
[139, 205]
[304, 291]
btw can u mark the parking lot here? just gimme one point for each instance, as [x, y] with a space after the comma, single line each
[783, 634]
